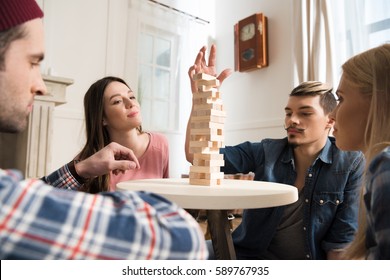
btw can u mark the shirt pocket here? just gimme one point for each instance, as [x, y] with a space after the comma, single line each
[325, 204]
[329, 198]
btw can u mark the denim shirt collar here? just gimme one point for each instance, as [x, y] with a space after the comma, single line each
[325, 155]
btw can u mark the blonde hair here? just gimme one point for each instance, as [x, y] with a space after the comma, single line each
[370, 73]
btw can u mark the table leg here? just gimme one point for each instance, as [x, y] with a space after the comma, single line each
[221, 236]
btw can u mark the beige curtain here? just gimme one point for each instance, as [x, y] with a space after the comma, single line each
[313, 46]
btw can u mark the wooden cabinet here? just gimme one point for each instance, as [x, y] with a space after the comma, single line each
[31, 150]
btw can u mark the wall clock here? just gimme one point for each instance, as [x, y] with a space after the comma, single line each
[250, 43]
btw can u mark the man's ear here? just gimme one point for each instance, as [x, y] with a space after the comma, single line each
[330, 122]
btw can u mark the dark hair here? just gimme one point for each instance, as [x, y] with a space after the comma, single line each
[6, 38]
[96, 133]
[312, 88]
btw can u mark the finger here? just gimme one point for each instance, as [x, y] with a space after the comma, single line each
[203, 56]
[131, 164]
[123, 165]
[224, 74]
[191, 71]
[126, 154]
[194, 87]
[212, 55]
[134, 159]
[200, 57]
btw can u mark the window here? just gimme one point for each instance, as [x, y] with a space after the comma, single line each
[359, 25]
[157, 90]
[161, 42]
[378, 23]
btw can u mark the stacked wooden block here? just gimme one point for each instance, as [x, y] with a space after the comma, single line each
[207, 123]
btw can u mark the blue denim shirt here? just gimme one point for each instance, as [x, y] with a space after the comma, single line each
[376, 199]
[331, 194]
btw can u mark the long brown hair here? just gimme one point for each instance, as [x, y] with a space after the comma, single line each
[370, 73]
[96, 133]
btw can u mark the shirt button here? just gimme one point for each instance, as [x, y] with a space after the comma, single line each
[304, 228]
[310, 175]
[321, 201]
[306, 200]
[307, 256]
[337, 201]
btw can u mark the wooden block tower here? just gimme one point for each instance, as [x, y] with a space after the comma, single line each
[206, 132]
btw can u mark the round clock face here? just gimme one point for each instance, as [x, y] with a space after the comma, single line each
[247, 32]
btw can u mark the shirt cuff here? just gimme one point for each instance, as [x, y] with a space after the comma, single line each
[62, 178]
[72, 170]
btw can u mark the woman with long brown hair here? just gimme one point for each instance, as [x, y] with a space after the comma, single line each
[113, 114]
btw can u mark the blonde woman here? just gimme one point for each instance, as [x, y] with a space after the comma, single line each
[362, 123]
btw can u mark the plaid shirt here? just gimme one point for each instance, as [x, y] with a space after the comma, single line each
[377, 201]
[38, 221]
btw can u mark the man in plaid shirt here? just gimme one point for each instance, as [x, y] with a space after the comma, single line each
[42, 219]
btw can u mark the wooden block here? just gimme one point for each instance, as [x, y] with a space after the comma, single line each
[199, 124]
[205, 182]
[204, 150]
[217, 175]
[203, 144]
[203, 76]
[201, 134]
[211, 83]
[209, 118]
[213, 138]
[204, 169]
[207, 112]
[208, 156]
[203, 88]
[206, 131]
[217, 140]
[201, 162]
[212, 93]
[211, 106]
[206, 144]
[200, 101]
[199, 138]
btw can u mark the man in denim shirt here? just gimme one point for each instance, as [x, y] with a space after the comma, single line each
[324, 219]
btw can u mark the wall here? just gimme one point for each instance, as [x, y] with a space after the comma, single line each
[87, 40]
[254, 101]
[76, 46]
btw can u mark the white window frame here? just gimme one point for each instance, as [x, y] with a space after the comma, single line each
[172, 99]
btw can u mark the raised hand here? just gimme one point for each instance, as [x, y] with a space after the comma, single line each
[201, 66]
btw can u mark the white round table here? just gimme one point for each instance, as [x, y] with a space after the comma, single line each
[231, 194]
